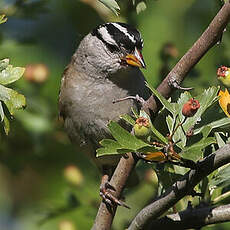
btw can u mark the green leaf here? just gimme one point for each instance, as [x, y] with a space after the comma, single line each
[6, 125]
[154, 130]
[224, 122]
[221, 179]
[3, 18]
[12, 99]
[195, 151]
[110, 142]
[163, 101]
[110, 147]
[172, 121]
[219, 140]
[167, 175]
[135, 113]
[206, 131]
[206, 99]
[141, 6]
[124, 138]
[10, 74]
[4, 63]
[128, 119]
[112, 5]
[4, 119]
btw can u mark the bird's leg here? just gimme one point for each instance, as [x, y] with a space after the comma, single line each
[136, 98]
[107, 196]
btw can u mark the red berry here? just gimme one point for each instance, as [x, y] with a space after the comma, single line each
[190, 107]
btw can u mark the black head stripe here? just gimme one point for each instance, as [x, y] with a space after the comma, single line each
[116, 35]
[134, 32]
[121, 38]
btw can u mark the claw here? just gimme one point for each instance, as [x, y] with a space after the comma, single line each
[107, 196]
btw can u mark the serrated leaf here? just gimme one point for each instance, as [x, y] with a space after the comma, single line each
[124, 138]
[163, 101]
[206, 99]
[10, 74]
[128, 119]
[195, 151]
[172, 121]
[221, 179]
[12, 99]
[112, 5]
[141, 6]
[3, 18]
[110, 147]
[110, 142]
[4, 63]
[224, 122]
[106, 151]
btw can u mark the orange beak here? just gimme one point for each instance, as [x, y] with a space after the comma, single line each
[136, 59]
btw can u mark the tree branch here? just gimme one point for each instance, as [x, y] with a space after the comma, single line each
[207, 40]
[105, 215]
[212, 34]
[185, 219]
[181, 188]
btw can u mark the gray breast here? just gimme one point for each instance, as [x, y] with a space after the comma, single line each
[89, 102]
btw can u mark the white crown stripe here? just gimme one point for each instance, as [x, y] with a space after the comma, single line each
[106, 36]
[125, 31]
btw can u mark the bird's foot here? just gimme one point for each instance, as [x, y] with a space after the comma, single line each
[106, 193]
[136, 98]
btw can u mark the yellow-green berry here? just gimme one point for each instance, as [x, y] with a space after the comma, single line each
[142, 127]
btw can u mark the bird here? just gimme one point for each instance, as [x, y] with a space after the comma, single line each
[105, 67]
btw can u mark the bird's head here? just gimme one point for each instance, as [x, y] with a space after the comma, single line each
[123, 42]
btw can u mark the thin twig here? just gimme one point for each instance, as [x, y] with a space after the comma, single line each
[185, 219]
[180, 188]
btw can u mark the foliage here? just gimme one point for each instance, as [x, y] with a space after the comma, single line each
[3, 18]
[112, 5]
[189, 136]
[9, 97]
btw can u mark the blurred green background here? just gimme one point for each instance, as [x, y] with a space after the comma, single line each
[45, 183]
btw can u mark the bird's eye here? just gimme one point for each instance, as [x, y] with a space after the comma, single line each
[112, 48]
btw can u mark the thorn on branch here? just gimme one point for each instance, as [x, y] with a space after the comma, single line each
[173, 82]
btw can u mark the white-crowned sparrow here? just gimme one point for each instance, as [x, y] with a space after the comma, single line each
[104, 67]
